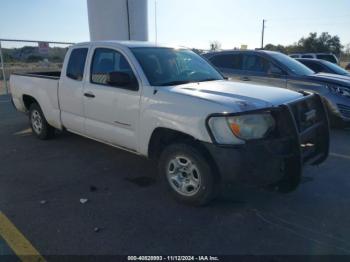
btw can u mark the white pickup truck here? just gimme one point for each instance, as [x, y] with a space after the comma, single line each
[171, 105]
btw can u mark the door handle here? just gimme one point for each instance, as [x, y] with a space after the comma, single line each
[245, 78]
[89, 95]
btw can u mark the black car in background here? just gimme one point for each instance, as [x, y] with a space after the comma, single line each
[322, 66]
[276, 69]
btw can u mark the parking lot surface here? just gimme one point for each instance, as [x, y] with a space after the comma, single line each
[129, 212]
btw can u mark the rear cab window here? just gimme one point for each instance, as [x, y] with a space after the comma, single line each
[76, 63]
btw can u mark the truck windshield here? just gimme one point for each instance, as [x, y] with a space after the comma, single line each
[292, 64]
[168, 66]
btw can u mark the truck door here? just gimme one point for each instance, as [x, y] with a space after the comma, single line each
[111, 107]
[70, 90]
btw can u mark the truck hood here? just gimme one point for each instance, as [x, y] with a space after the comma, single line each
[241, 95]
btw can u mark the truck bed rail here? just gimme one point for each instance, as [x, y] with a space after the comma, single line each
[48, 75]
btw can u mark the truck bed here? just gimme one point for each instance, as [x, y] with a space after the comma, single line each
[49, 75]
[40, 86]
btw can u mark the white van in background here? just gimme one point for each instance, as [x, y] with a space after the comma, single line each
[323, 56]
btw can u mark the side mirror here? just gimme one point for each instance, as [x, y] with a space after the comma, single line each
[121, 79]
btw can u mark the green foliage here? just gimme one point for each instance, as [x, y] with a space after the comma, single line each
[215, 45]
[8, 58]
[324, 43]
[33, 59]
[279, 48]
[31, 54]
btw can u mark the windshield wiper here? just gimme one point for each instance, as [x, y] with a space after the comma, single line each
[174, 83]
[208, 79]
[182, 82]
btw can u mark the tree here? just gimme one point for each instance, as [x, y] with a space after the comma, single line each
[278, 48]
[33, 59]
[347, 49]
[346, 54]
[323, 43]
[311, 44]
[215, 45]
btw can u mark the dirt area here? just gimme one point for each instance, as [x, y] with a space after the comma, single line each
[27, 67]
[2, 88]
[344, 64]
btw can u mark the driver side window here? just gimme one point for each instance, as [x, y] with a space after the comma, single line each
[107, 62]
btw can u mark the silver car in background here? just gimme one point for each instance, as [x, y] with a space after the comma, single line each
[279, 70]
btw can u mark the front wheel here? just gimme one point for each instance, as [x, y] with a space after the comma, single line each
[187, 174]
[38, 123]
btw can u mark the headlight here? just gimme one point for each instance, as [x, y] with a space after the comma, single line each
[238, 129]
[339, 90]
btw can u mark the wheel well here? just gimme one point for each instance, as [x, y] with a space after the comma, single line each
[28, 101]
[162, 137]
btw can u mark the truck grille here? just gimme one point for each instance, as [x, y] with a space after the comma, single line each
[312, 126]
[306, 114]
[344, 110]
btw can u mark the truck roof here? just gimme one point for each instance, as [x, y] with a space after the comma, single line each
[130, 44]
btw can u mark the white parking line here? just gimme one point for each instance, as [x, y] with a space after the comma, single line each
[340, 155]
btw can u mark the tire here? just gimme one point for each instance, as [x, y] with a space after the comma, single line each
[41, 129]
[187, 174]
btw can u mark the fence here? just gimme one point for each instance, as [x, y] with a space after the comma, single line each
[29, 55]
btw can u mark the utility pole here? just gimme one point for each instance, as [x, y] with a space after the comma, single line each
[155, 20]
[263, 34]
[128, 18]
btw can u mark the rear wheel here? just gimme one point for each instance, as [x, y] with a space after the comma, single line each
[187, 174]
[38, 123]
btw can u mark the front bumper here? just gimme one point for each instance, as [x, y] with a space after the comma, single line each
[297, 140]
[253, 164]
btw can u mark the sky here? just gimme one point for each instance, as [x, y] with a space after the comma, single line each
[192, 23]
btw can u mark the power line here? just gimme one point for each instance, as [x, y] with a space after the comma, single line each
[310, 24]
[292, 19]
